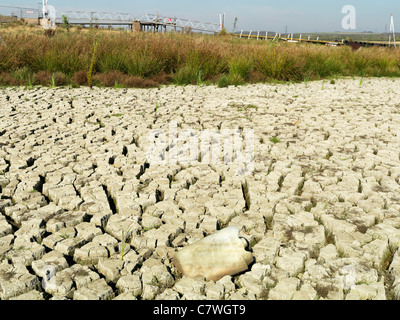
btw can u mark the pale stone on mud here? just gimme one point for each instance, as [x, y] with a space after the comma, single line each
[214, 257]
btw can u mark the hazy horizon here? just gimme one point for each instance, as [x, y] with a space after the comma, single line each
[293, 16]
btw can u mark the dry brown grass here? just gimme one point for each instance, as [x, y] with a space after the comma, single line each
[147, 59]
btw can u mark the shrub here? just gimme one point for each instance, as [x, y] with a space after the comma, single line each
[7, 79]
[110, 78]
[80, 78]
[60, 79]
[42, 78]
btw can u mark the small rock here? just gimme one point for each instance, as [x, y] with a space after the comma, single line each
[31, 295]
[215, 290]
[15, 280]
[110, 268]
[306, 292]
[87, 231]
[53, 259]
[96, 290]
[128, 296]
[252, 284]
[168, 294]
[375, 291]
[285, 289]
[131, 284]
[291, 261]
[186, 285]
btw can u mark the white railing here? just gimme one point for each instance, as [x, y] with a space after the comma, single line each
[93, 17]
[174, 22]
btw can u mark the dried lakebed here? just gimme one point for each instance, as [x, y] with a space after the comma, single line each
[320, 209]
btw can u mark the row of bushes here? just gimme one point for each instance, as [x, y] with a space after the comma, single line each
[145, 60]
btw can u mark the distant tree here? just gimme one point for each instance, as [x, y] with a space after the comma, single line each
[65, 22]
[235, 24]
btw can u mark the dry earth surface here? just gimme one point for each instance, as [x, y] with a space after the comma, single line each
[320, 211]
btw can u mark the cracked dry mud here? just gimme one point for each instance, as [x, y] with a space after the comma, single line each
[320, 210]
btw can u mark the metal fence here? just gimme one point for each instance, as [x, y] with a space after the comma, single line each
[181, 23]
[9, 13]
[12, 13]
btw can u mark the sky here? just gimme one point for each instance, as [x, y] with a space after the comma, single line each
[298, 16]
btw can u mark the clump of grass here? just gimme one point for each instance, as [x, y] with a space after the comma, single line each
[240, 67]
[223, 82]
[275, 140]
[188, 74]
[125, 239]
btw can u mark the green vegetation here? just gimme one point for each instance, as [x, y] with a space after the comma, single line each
[275, 140]
[125, 240]
[92, 62]
[122, 59]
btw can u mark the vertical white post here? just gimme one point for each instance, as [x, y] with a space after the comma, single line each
[300, 37]
[317, 38]
[291, 37]
[250, 34]
[266, 36]
[258, 35]
[309, 37]
[241, 33]
[392, 30]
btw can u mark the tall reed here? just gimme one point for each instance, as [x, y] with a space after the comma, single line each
[92, 62]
